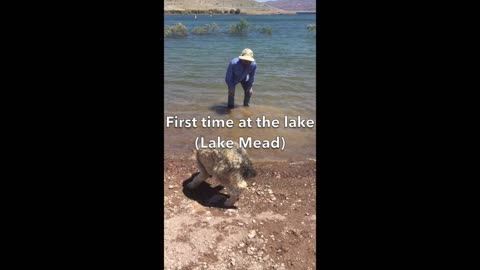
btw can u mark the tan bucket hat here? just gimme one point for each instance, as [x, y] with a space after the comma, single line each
[247, 54]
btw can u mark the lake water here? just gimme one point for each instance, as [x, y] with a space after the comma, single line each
[285, 84]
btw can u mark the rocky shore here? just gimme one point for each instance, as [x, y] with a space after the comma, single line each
[272, 226]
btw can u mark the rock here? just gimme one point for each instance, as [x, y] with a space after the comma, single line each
[252, 234]
[230, 212]
[170, 186]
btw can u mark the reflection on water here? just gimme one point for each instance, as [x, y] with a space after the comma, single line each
[220, 108]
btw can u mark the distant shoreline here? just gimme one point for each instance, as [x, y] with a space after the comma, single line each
[243, 13]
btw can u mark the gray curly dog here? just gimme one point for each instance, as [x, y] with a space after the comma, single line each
[229, 166]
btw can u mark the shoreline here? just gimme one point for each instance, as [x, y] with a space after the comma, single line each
[172, 157]
[217, 14]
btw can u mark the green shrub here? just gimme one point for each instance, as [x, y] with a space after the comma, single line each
[264, 30]
[214, 27]
[239, 29]
[178, 30]
[207, 29]
[232, 11]
[167, 32]
[237, 11]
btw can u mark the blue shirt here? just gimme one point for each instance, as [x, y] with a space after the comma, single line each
[236, 73]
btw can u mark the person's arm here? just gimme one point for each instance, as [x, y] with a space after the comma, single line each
[252, 78]
[229, 77]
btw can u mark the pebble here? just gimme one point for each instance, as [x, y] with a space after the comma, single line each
[170, 186]
[230, 212]
[252, 234]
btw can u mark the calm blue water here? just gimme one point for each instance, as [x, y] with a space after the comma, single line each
[285, 84]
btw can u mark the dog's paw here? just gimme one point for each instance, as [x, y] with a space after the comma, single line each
[229, 202]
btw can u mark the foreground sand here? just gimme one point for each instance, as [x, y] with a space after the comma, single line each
[272, 226]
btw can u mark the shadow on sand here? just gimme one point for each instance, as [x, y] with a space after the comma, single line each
[205, 194]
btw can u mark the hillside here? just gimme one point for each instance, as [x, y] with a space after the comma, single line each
[294, 5]
[224, 6]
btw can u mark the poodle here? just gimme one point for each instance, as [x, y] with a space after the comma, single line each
[230, 166]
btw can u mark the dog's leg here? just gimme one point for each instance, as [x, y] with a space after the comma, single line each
[234, 193]
[236, 186]
[199, 178]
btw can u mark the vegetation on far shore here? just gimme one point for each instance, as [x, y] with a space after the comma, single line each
[204, 11]
[242, 28]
